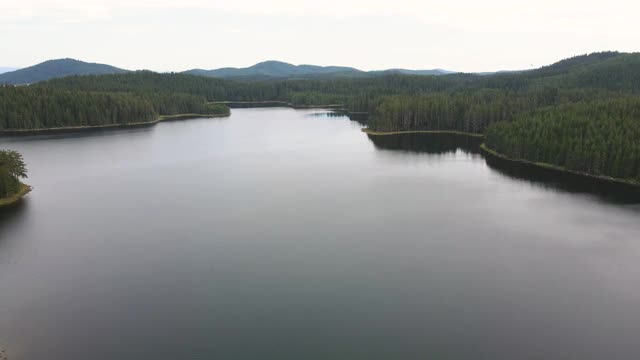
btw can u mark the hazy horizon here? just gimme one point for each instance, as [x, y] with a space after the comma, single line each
[457, 35]
[4, 69]
[14, 68]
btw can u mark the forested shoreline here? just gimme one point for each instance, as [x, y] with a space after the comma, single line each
[601, 138]
[580, 113]
[42, 107]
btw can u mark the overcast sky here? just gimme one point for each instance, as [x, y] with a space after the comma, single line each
[461, 35]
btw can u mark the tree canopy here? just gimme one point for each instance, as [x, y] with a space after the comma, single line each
[12, 169]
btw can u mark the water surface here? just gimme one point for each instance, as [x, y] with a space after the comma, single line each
[277, 234]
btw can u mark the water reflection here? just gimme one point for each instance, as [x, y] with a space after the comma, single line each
[9, 216]
[74, 134]
[440, 144]
[437, 144]
[330, 114]
[546, 178]
[361, 118]
[341, 114]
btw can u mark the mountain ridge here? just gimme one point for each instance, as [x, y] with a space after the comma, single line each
[279, 69]
[54, 69]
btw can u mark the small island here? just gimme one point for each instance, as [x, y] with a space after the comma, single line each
[12, 169]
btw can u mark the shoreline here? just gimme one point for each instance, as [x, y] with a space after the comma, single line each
[161, 118]
[490, 152]
[190, 116]
[559, 169]
[450, 132]
[165, 118]
[13, 199]
[275, 103]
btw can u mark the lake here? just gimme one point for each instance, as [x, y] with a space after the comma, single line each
[290, 234]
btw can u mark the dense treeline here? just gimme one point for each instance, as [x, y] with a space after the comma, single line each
[465, 112]
[174, 104]
[601, 138]
[41, 108]
[356, 93]
[12, 168]
[472, 111]
[145, 82]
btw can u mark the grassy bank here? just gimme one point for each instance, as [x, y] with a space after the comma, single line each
[560, 169]
[451, 132]
[24, 190]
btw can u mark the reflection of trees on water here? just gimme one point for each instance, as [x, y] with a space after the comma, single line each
[427, 143]
[360, 119]
[567, 182]
[439, 144]
[9, 215]
[331, 114]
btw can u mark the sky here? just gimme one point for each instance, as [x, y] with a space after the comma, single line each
[176, 35]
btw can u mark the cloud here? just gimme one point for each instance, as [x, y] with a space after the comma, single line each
[470, 15]
[462, 34]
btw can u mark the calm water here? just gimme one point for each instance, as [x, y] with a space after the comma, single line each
[280, 234]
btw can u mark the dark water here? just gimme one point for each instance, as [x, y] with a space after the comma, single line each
[275, 234]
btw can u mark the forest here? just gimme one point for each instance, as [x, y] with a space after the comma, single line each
[599, 138]
[27, 108]
[41, 107]
[597, 93]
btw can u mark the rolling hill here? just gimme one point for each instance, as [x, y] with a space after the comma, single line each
[274, 69]
[54, 69]
[278, 69]
[262, 71]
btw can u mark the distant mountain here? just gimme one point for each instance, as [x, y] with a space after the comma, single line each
[577, 63]
[5, 69]
[573, 65]
[55, 69]
[278, 69]
[275, 69]
[608, 70]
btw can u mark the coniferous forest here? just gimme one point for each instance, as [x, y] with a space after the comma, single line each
[580, 113]
[600, 138]
[40, 107]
